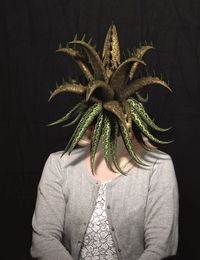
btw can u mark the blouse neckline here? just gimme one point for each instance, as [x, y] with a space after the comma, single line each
[109, 182]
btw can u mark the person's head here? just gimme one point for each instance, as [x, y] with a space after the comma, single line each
[111, 99]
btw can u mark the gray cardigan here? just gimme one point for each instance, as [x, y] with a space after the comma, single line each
[142, 208]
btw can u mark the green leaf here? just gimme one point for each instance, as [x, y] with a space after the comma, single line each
[141, 125]
[129, 145]
[96, 133]
[80, 106]
[84, 123]
[106, 131]
[113, 145]
[137, 107]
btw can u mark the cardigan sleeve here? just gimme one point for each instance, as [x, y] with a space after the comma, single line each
[48, 217]
[161, 216]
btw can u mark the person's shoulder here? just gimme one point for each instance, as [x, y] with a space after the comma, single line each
[63, 159]
[57, 162]
[162, 166]
[155, 161]
[157, 156]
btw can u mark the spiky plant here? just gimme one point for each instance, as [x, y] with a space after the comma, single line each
[111, 102]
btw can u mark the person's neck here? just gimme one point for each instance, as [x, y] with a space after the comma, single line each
[101, 171]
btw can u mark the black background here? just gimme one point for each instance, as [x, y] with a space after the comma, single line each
[30, 33]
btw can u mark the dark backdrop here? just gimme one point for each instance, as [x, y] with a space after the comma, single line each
[30, 33]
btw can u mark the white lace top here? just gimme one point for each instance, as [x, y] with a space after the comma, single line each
[98, 243]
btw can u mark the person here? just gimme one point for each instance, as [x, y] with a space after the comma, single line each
[115, 198]
[141, 208]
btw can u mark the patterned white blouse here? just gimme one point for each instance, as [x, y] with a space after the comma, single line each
[98, 243]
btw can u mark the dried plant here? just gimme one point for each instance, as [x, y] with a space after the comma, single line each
[111, 101]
